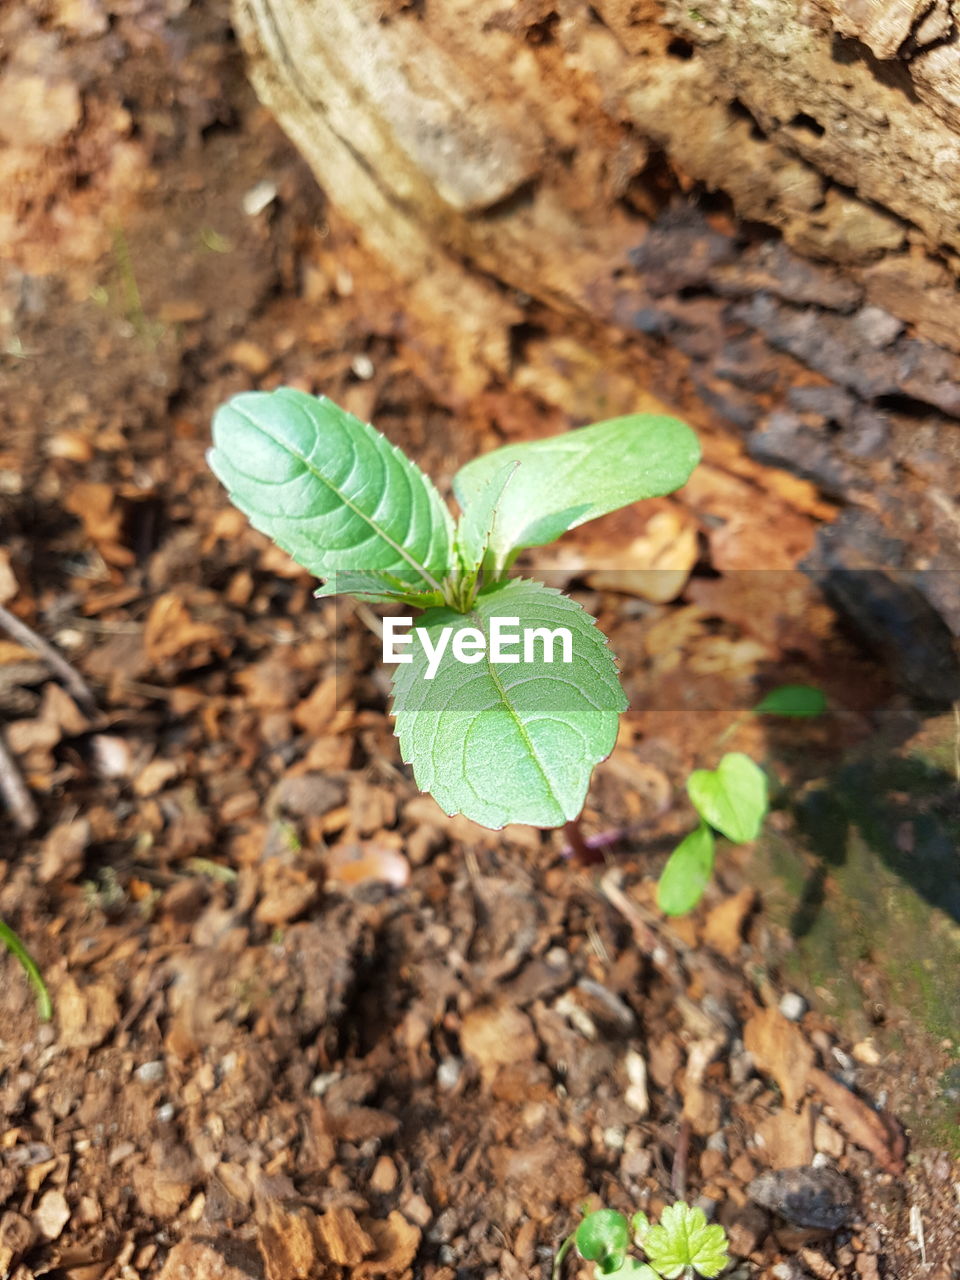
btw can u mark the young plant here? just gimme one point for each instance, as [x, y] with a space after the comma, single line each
[506, 694]
[16, 948]
[683, 1244]
[731, 799]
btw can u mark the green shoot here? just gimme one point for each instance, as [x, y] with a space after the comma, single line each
[683, 1244]
[505, 693]
[731, 799]
[30, 968]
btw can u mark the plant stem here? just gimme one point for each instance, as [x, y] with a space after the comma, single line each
[586, 850]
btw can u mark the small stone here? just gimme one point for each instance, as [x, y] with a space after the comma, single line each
[792, 1006]
[449, 1072]
[827, 1141]
[806, 1197]
[496, 1036]
[637, 1095]
[747, 1230]
[384, 1177]
[165, 1113]
[259, 197]
[52, 1214]
[416, 1209]
[362, 367]
[867, 1053]
[151, 1072]
[249, 356]
[321, 1083]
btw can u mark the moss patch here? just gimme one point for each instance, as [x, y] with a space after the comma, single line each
[867, 891]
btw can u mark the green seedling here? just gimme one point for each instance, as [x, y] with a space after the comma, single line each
[16, 948]
[683, 1244]
[505, 693]
[731, 799]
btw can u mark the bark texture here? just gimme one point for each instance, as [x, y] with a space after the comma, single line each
[487, 150]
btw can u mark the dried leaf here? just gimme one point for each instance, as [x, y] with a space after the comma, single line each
[780, 1049]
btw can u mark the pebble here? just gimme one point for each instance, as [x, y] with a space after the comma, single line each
[166, 1113]
[259, 197]
[362, 367]
[151, 1072]
[867, 1053]
[384, 1177]
[416, 1209]
[792, 1006]
[52, 1214]
[449, 1072]
[321, 1083]
[637, 1096]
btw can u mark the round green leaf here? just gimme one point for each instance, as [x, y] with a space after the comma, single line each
[503, 742]
[732, 798]
[798, 701]
[686, 874]
[603, 1237]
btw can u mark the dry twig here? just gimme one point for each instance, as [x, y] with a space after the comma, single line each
[14, 791]
[71, 678]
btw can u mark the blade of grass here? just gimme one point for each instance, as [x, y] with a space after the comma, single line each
[16, 948]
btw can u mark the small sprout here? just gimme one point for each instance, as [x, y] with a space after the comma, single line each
[16, 948]
[505, 693]
[683, 1239]
[731, 799]
[682, 1244]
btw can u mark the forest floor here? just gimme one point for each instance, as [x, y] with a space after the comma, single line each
[305, 1024]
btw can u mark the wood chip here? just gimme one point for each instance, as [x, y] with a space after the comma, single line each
[61, 856]
[780, 1049]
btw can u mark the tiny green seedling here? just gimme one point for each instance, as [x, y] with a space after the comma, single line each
[682, 1245]
[16, 948]
[731, 799]
[505, 692]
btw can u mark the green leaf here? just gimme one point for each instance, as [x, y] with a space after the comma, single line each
[633, 1270]
[16, 948]
[639, 1225]
[687, 873]
[732, 797]
[329, 489]
[503, 742]
[799, 701]
[379, 588]
[603, 1237]
[568, 479]
[684, 1238]
[476, 523]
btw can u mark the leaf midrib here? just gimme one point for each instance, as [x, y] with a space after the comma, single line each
[347, 502]
[521, 727]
